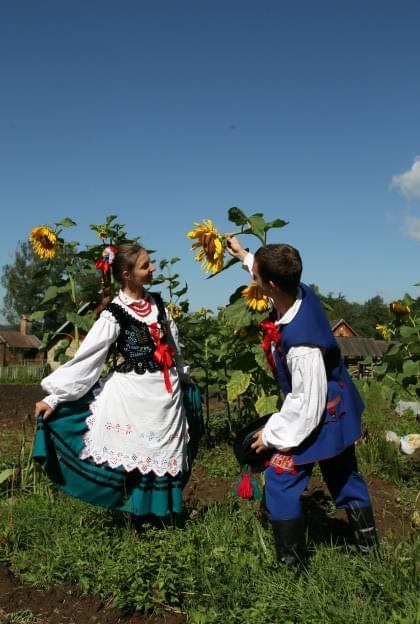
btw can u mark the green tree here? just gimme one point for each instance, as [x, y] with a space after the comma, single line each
[26, 280]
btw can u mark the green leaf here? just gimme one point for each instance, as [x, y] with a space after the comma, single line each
[266, 405]
[237, 384]
[174, 260]
[5, 475]
[381, 369]
[50, 294]
[181, 292]
[236, 216]
[394, 350]
[411, 368]
[387, 392]
[277, 223]
[38, 315]
[406, 331]
[228, 264]
[261, 360]
[65, 288]
[67, 222]
[238, 314]
[257, 224]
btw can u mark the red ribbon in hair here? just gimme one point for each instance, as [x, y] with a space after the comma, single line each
[102, 264]
[271, 334]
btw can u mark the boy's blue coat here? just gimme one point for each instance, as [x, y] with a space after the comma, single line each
[341, 423]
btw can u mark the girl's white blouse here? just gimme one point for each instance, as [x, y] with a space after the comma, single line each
[134, 422]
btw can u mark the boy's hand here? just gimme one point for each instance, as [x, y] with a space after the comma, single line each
[258, 443]
[234, 247]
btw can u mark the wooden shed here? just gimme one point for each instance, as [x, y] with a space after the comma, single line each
[19, 347]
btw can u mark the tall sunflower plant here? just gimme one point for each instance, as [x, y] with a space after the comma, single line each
[250, 384]
[399, 370]
[78, 290]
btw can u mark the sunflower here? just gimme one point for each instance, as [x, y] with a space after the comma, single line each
[383, 330]
[44, 241]
[399, 308]
[174, 310]
[211, 241]
[254, 298]
[102, 232]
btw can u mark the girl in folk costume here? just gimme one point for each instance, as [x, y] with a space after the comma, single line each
[320, 418]
[121, 441]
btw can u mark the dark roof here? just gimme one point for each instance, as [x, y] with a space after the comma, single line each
[355, 346]
[16, 340]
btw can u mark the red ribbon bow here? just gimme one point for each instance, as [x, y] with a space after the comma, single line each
[271, 334]
[102, 264]
[163, 355]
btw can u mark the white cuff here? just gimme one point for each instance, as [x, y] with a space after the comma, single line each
[248, 262]
[52, 400]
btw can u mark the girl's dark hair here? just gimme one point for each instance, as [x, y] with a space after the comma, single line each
[280, 264]
[125, 259]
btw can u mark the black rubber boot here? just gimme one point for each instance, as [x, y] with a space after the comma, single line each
[362, 524]
[289, 540]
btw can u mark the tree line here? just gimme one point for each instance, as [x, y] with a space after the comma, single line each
[25, 283]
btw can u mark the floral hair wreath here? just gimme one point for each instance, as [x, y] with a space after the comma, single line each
[108, 255]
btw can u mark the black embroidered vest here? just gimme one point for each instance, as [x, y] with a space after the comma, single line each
[135, 342]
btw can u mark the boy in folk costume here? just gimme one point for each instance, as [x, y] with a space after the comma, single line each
[320, 419]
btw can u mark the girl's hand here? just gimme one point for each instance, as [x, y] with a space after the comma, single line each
[40, 407]
[234, 247]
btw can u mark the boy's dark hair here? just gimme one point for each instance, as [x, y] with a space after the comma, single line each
[125, 259]
[280, 264]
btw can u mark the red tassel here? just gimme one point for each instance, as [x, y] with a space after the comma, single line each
[245, 486]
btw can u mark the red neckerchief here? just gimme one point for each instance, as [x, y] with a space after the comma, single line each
[271, 334]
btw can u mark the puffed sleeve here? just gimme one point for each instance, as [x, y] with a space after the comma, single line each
[304, 406]
[74, 378]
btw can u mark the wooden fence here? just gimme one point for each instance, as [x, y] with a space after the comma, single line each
[27, 372]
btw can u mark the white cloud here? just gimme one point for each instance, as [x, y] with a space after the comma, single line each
[409, 182]
[411, 227]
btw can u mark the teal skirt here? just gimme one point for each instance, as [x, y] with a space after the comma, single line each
[59, 442]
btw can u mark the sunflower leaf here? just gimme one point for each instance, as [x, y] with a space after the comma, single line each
[257, 224]
[237, 384]
[50, 294]
[237, 216]
[231, 262]
[266, 405]
[67, 222]
[277, 223]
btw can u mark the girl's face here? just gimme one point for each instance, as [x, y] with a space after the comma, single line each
[142, 272]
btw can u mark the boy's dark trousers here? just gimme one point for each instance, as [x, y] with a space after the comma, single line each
[283, 492]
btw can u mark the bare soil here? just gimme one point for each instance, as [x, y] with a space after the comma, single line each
[64, 605]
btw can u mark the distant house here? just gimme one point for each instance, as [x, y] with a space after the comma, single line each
[355, 349]
[19, 347]
[342, 328]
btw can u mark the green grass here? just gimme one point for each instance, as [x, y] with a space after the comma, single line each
[219, 566]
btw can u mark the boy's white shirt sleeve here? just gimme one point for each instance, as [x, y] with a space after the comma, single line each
[73, 379]
[304, 406]
[248, 262]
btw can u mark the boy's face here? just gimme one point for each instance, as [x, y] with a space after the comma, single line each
[263, 286]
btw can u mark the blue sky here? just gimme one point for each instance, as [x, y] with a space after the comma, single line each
[166, 112]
